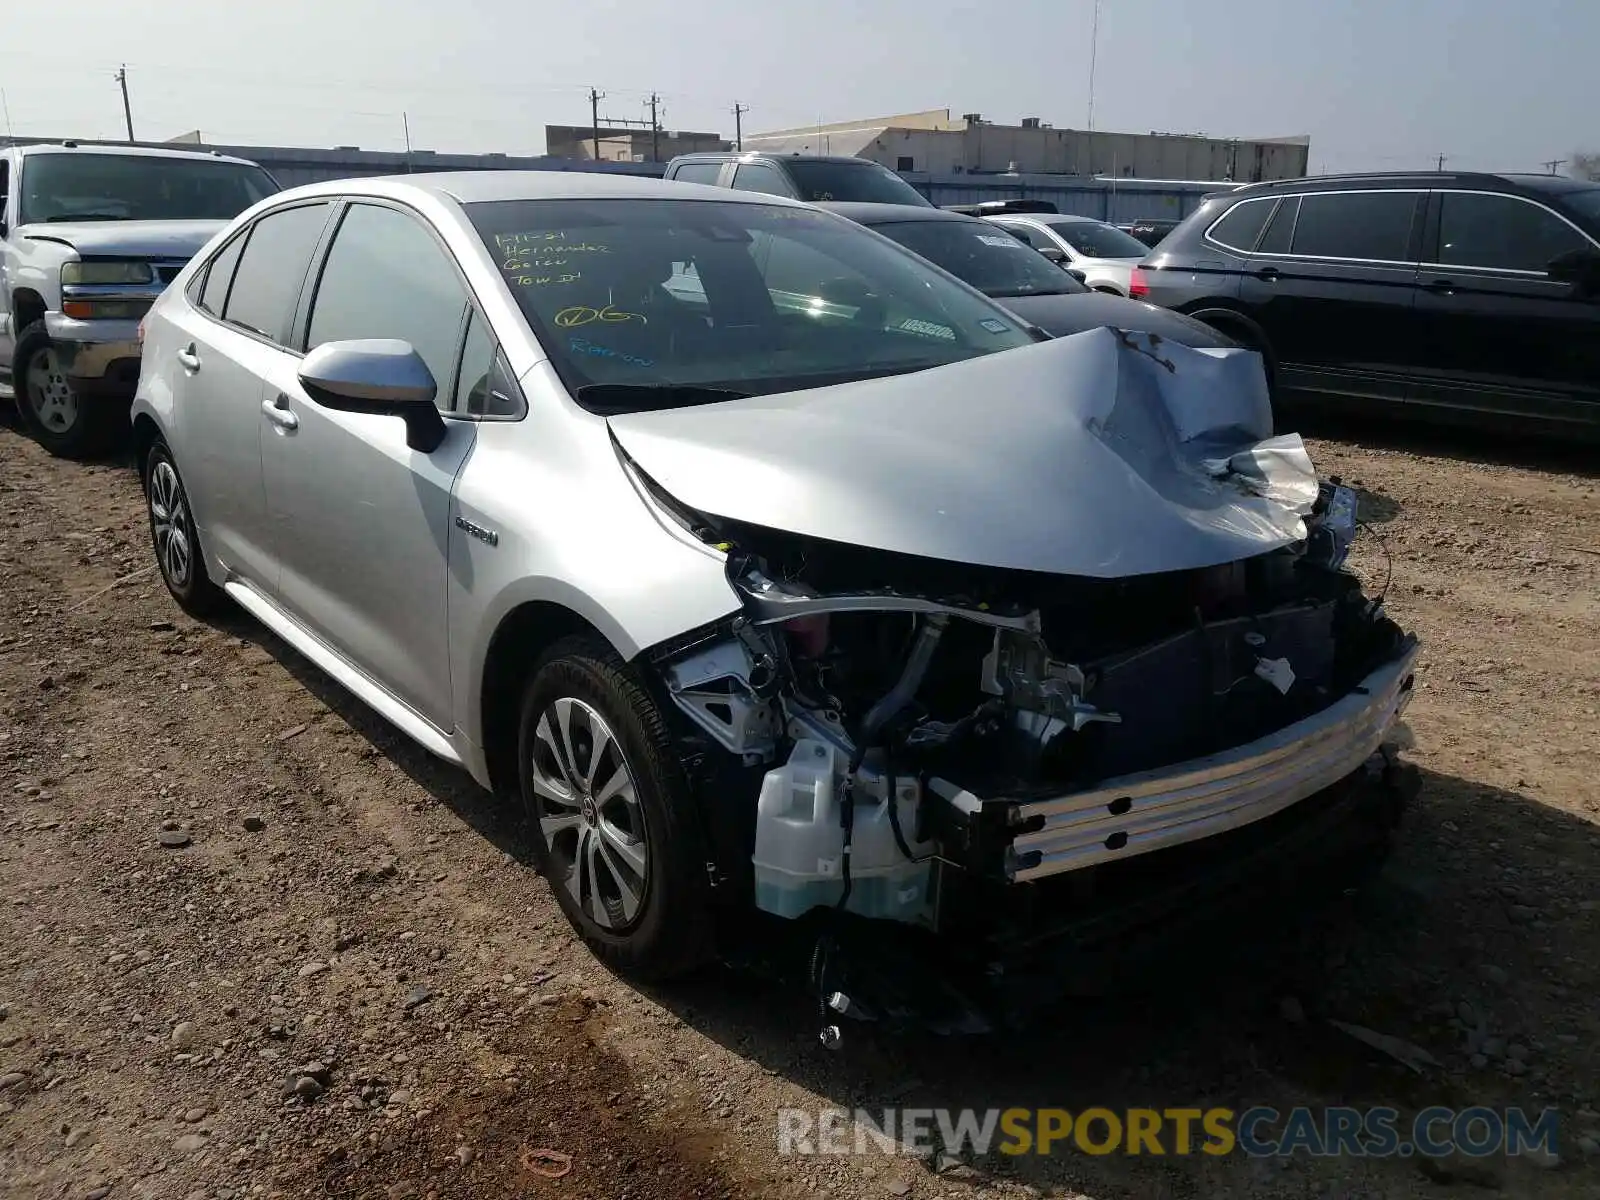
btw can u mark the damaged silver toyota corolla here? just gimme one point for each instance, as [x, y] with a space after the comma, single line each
[812, 605]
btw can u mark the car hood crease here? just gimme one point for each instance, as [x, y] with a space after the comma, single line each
[1105, 454]
[141, 239]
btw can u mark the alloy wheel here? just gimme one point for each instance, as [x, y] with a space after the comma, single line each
[170, 525]
[50, 395]
[588, 809]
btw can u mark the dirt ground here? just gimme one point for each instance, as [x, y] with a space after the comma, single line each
[343, 980]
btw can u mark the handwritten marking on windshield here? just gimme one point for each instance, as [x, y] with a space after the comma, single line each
[594, 350]
[582, 314]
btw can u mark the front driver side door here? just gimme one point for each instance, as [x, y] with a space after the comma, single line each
[361, 522]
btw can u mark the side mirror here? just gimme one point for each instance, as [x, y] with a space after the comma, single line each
[1054, 253]
[1580, 268]
[1080, 276]
[378, 375]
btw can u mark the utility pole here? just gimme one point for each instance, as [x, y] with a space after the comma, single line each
[738, 124]
[1094, 52]
[127, 109]
[1443, 158]
[1553, 163]
[655, 129]
[594, 119]
[405, 123]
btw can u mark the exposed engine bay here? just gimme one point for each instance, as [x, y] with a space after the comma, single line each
[913, 720]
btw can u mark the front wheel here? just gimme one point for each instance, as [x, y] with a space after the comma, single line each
[609, 812]
[63, 421]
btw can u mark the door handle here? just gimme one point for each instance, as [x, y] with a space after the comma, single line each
[188, 359]
[282, 417]
[1440, 287]
[1269, 274]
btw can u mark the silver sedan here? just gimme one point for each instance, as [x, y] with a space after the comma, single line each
[768, 567]
[1096, 253]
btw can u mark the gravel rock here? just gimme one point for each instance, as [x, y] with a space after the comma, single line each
[1521, 914]
[315, 967]
[190, 1142]
[1518, 1051]
[11, 1079]
[98, 1193]
[174, 839]
[465, 1155]
[1292, 1011]
[417, 997]
[194, 1116]
[1494, 973]
[183, 1034]
[898, 1187]
[1515, 1066]
[307, 1088]
[254, 824]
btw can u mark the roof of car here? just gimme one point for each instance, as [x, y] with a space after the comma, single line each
[472, 187]
[122, 151]
[743, 155]
[1478, 179]
[864, 213]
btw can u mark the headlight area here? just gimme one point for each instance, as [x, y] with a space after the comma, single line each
[964, 769]
[108, 289]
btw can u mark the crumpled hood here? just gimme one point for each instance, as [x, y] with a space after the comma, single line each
[1074, 312]
[1102, 454]
[133, 239]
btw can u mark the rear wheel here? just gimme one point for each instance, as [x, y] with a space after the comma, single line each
[608, 808]
[173, 535]
[63, 421]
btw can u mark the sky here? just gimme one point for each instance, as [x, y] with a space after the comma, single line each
[1377, 84]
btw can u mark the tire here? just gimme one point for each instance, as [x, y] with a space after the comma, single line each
[173, 535]
[65, 423]
[617, 847]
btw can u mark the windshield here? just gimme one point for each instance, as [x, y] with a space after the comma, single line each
[85, 186]
[707, 294]
[851, 182]
[1093, 239]
[984, 255]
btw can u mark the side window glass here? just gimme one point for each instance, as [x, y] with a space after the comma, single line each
[698, 172]
[5, 186]
[267, 282]
[1501, 231]
[484, 386]
[1031, 237]
[386, 277]
[1281, 228]
[220, 274]
[758, 177]
[1366, 225]
[1241, 225]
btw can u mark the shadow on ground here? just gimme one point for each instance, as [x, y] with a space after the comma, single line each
[1485, 893]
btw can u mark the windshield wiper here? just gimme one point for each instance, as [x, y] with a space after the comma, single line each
[615, 398]
[85, 216]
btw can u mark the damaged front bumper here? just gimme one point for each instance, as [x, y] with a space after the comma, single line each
[1153, 810]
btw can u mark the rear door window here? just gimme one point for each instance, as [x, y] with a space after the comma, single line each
[1280, 230]
[1373, 226]
[1241, 225]
[1501, 232]
[273, 268]
[219, 275]
[697, 172]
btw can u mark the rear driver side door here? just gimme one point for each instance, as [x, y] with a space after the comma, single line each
[360, 521]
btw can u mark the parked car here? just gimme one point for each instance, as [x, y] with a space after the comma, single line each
[820, 593]
[810, 177]
[1150, 230]
[1003, 268]
[1461, 296]
[1099, 254]
[89, 236]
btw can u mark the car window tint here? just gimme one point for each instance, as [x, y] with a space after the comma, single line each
[1501, 231]
[1281, 228]
[386, 277]
[1242, 224]
[697, 172]
[1096, 239]
[1026, 234]
[484, 387]
[758, 177]
[267, 281]
[1365, 225]
[219, 275]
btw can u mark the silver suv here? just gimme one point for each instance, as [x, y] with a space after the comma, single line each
[773, 571]
[89, 237]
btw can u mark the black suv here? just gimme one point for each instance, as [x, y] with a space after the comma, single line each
[799, 176]
[1470, 296]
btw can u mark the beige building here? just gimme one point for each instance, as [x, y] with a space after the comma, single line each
[933, 142]
[627, 143]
